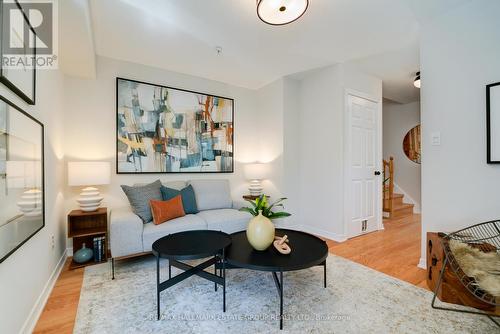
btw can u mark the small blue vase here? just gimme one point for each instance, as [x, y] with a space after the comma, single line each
[83, 255]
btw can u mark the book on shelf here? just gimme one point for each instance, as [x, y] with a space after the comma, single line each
[99, 249]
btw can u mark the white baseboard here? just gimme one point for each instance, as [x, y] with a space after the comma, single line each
[408, 198]
[321, 233]
[422, 263]
[36, 311]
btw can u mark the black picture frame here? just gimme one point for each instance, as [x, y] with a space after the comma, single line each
[11, 104]
[179, 89]
[489, 130]
[3, 77]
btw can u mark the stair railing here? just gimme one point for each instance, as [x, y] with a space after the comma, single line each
[388, 184]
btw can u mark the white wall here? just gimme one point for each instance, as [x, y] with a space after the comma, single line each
[398, 120]
[320, 151]
[24, 275]
[460, 54]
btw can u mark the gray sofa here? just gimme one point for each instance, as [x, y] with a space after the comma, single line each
[130, 236]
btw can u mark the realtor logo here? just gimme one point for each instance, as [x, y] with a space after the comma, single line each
[29, 33]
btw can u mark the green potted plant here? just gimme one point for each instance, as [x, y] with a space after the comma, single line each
[260, 230]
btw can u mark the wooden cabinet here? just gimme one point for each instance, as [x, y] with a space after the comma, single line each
[83, 227]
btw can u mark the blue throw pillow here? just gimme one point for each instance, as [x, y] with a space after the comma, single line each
[187, 195]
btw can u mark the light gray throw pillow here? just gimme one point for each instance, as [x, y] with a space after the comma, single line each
[139, 197]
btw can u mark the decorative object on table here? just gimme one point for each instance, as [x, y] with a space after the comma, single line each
[411, 144]
[472, 255]
[83, 255]
[260, 232]
[140, 197]
[22, 183]
[89, 173]
[162, 129]
[281, 244]
[493, 123]
[279, 13]
[19, 77]
[89, 228]
[255, 173]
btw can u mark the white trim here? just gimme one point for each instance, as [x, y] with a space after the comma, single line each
[407, 198]
[347, 156]
[320, 232]
[36, 311]
[69, 251]
[422, 263]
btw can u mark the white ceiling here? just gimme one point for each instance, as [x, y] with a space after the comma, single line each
[381, 36]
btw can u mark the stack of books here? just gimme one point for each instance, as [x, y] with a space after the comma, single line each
[99, 249]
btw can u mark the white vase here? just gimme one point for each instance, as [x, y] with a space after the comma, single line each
[260, 232]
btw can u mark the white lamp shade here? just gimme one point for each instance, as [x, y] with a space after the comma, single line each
[279, 12]
[88, 173]
[257, 171]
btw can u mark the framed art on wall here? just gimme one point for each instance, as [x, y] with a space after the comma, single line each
[493, 123]
[17, 51]
[162, 129]
[22, 209]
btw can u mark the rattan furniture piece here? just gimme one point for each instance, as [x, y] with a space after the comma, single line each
[486, 238]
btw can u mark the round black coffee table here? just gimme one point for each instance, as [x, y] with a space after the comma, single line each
[191, 245]
[307, 251]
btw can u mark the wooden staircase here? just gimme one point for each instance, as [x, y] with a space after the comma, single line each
[394, 203]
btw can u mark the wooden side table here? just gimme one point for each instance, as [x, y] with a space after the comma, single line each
[83, 227]
[252, 197]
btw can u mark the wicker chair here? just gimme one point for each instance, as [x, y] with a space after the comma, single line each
[485, 237]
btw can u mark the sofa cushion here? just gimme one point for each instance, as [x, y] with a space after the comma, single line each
[153, 232]
[187, 194]
[212, 194]
[225, 220]
[139, 197]
[164, 211]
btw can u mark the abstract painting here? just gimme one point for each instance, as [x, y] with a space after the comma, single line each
[168, 130]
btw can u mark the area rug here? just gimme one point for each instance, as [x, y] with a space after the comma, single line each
[357, 300]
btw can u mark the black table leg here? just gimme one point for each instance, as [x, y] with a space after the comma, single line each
[224, 280]
[169, 270]
[215, 271]
[113, 267]
[158, 286]
[324, 273]
[281, 299]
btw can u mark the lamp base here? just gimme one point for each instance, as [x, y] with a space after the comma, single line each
[255, 188]
[90, 199]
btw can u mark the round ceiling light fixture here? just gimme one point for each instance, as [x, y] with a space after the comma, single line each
[281, 12]
[416, 82]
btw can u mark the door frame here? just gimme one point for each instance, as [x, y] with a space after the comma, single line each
[347, 157]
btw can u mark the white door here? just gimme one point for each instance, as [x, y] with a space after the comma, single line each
[364, 194]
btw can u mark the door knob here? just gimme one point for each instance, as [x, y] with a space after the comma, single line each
[377, 172]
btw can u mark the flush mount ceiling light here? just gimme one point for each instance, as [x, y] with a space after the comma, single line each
[281, 12]
[416, 82]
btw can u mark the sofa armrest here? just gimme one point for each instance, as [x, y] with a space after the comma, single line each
[125, 232]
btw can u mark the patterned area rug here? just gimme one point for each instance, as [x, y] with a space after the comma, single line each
[357, 300]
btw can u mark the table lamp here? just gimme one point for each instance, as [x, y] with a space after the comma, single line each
[89, 174]
[255, 173]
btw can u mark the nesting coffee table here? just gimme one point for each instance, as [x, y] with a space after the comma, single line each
[191, 245]
[307, 251]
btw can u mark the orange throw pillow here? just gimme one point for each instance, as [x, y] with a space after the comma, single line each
[166, 210]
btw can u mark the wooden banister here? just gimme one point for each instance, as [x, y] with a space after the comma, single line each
[388, 184]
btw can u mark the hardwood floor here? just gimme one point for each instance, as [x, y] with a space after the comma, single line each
[394, 251]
